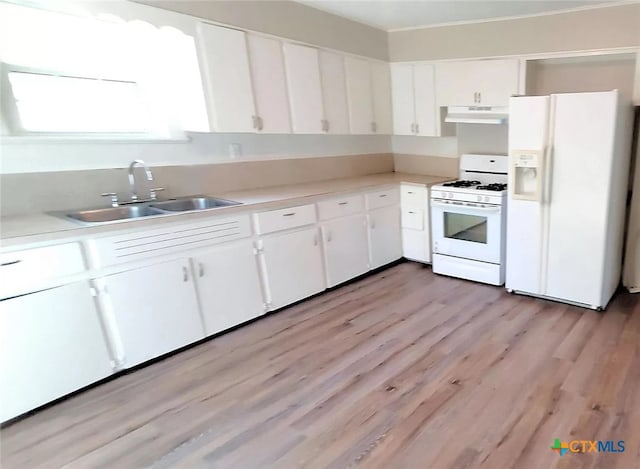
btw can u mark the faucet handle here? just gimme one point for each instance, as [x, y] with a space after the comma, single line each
[114, 197]
[153, 192]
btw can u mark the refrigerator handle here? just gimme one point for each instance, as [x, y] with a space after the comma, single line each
[548, 174]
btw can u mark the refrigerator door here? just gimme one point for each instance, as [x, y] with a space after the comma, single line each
[581, 161]
[528, 127]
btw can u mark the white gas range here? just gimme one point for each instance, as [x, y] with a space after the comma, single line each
[468, 220]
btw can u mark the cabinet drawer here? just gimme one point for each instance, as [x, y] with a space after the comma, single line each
[413, 196]
[283, 219]
[340, 207]
[383, 198]
[21, 269]
[413, 219]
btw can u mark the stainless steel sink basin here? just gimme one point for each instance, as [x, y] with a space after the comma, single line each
[192, 203]
[114, 213]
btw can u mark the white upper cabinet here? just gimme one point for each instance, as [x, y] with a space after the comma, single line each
[381, 87]
[414, 107]
[424, 86]
[305, 89]
[477, 82]
[359, 95]
[269, 84]
[404, 118]
[227, 78]
[334, 93]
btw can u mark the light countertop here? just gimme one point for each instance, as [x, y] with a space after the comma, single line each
[41, 227]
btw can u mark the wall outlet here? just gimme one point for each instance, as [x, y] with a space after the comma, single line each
[235, 150]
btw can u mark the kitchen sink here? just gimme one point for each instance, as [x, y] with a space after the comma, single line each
[192, 203]
[148, 209]
[114, 213]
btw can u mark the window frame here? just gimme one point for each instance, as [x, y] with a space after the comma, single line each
[11, 127]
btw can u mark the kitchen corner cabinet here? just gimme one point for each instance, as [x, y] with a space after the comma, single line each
[385, 242]
[292, 266]
[227, 78]
[477, 82]
[305, 91]
[51, 344]
[334, 93]
[345, 248]
[269, 84]
[414, 106]
[154, 309]
[228, 286]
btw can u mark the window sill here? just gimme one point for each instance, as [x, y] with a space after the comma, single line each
[18, 139]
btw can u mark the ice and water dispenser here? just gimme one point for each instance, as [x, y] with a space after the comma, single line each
[526, 174]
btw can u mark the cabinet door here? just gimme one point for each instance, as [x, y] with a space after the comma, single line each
[334, 92]
[425, 100]
[385, 239]
[497, 81]
[155, 310]
[51, 344]
[381, 87]
[474, 82]
[225, 66]
[269, 84]
[359, 95]
[305, 91]
[403, 99]
[416, 245]
[345, 249]
[292, 266]
[228, 286]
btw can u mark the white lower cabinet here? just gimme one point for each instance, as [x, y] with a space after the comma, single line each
[51, 344]
[385, 241]
[228, 286]
[154, 309]
[416, 229]
[292, 266]
[345, 248]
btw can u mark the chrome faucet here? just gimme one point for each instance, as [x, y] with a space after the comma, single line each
[132, 177]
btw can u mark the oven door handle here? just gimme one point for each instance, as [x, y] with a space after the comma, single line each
[481, 208]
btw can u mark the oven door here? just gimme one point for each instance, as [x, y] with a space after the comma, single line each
[467, 230]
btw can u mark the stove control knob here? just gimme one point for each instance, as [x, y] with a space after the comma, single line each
[486, 198]
[444, 195]
[479, 198]
[451, 195]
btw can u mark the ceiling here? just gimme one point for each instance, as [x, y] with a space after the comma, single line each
[398, 14]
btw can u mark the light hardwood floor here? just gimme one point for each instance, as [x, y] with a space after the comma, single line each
[403, 369]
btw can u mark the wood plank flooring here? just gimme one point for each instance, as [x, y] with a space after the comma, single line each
[402, 369]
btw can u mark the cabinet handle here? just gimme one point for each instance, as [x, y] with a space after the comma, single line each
[260, 123]
[290, 214]
[200, 269]
[417, 128]
[8, 263]
[374, 127]
[255, 121]
[185, 274]
[411, 212]
[315, 239]
[373, 224]
[343, 203]
[413, 128]
[327, 124]
[328, 236]
[409, 192]
[479, 97]
[382, 195]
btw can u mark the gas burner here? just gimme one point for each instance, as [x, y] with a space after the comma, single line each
[498, 187]
[462, 183]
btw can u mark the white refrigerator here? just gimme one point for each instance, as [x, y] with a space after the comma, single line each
[568, 174]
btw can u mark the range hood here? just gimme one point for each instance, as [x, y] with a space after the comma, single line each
[477, 115]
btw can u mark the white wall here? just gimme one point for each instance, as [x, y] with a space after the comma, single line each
[25, 157]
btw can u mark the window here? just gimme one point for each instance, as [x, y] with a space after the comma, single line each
[49, 103]
[66, 74]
